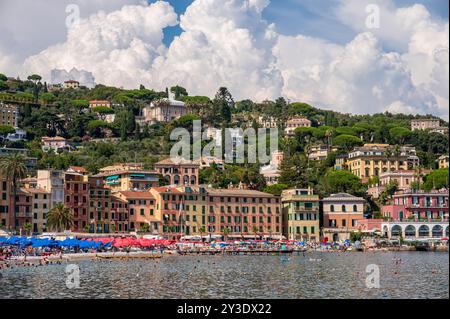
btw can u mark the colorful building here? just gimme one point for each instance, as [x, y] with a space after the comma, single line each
[302, 216]
[178, 172]
[125, 177]
[417, 205]
[294, 123]
[9, 115]
[142, 211]
[76, 198]
[341, 213]
[41, 204]
[373, 159]
[100, 203]
[443, 161]
[53, 182]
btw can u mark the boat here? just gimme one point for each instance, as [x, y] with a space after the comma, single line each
[423, 247]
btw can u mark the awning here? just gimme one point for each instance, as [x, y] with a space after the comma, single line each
[109, 178]
[137, 175]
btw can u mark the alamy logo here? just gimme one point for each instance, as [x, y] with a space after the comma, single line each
[233, 145]
[73, 16]
[73, 276]
[373, 279]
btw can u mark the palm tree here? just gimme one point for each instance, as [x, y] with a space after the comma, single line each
[27, 228]
[59, 218]
[226, 232]
[255, 231]
[202, 230]
[13, 169]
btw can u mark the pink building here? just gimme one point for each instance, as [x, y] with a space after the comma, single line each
[295, 123]
[419, 205]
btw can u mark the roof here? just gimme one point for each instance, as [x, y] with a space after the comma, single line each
[77, 169]
[167, 189]
[37, 190]
[111, 173]
[237, 192]
[342, 197]
[55, 138]
[137, 194]
[171, 101]
[178, 161]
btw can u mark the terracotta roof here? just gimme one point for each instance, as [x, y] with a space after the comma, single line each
[237, 192]
[136, 194]
[167, 189]
[55, 138]
[77, 169]
[179, 161]
[343, 197]
[111, 173]
[36, 190]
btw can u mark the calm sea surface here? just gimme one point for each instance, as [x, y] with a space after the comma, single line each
[315, 275]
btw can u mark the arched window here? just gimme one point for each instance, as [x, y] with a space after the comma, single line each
[343, 208]
[176, 180]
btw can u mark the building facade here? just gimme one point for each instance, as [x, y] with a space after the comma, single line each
[425, 124]
[417, 205]
[9, 115]
[164, 110]
[294, 123]
[179, 172]
[76, 198]
[341, 213]
[443, 161]
[53, 182]
[302, 216]
[371, 160]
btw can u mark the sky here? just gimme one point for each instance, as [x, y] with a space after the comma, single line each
[317, 51]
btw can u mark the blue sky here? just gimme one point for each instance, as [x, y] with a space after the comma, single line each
[310, 17]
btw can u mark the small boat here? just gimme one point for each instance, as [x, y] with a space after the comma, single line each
[423, 247]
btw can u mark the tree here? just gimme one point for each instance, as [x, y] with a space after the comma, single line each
[226, 232]
[437, 179]
[3, 77]
[223, 103]
[27, 227]
[59, 218]
[343, 182]
[6, 129]
[37, 85]
[103, 111]
[202, 230]
[178, 91]
[13, 169]
[347, 142]
[399, 135]
[275, 189]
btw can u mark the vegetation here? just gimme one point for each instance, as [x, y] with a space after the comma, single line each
[59, 218]
[65, 112]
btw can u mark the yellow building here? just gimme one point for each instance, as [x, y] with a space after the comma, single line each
[41, 204]
[373, 159]
[9, 115]
[301, 211]
[443, 161]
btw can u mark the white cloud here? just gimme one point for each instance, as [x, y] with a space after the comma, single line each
[401, 66]
[118, 47]
[229, 47]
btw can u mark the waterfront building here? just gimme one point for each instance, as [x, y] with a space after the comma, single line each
[124, 177]
[98, 103]
[246, 213]
[341, 213]
[301, 212]
[179, 171]
[53, 182]
[142, 211]
[5, 201]
[23, 214]
[99, 206]
[71, 84]
[9, 115]
[293, 123]
[416, 230]
[41, 204]
[163, 110]
[443, 161]
[425, 124]
[56, 144]
[417, 205]
[76, 198]
[371, 160]
[119, 215]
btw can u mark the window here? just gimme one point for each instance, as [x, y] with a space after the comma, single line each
[344, 223]
[331, 208]
[355, 208]
[343, 208]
